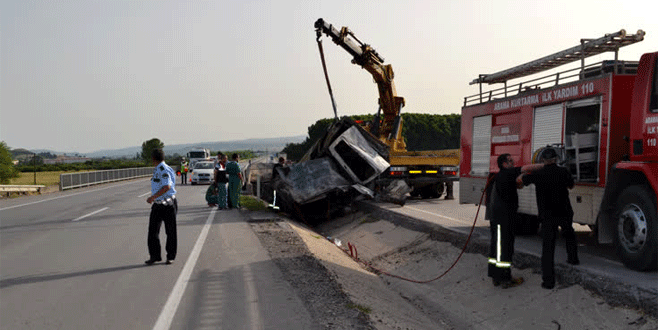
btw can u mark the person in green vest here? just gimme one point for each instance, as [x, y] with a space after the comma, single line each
[183, 170]
[234, 181]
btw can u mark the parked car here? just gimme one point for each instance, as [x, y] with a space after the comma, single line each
[203, 172]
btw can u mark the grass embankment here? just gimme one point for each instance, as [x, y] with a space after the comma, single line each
[43, 178]
[251, 203]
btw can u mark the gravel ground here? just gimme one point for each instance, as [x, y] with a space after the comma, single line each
[328, 304]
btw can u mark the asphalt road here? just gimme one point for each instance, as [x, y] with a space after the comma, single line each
[75, 260]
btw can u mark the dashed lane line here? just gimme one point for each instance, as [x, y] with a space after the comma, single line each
[90, 214]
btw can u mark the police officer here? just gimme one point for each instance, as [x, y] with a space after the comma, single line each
[164, 209]
[183, 170]
[552, 184]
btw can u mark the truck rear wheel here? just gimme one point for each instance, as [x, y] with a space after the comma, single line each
[636, 232]
[432, 191]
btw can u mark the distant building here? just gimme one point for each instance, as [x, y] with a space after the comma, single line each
[66, 160]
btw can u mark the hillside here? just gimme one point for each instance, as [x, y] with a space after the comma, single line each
[269, 144]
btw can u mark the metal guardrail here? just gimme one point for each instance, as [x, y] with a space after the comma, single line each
[84, 179]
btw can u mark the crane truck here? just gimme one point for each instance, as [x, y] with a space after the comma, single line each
[426, 172]
[603, 120]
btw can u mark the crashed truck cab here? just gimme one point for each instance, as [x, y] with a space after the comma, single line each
[340, 168]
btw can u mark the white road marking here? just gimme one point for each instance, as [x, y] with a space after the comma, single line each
[142, 195]
[169, 309]
[439, 215]
[54, 198]
[90, 214]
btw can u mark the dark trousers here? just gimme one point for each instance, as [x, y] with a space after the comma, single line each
[183, 177]
[501, 248]
[549, 234]
[167, 214]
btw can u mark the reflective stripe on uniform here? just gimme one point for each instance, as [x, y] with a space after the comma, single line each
[504, 264]
[499, 247]
[492, 261]
[499, 251]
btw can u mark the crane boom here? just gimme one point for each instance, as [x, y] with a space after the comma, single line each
[368, 58]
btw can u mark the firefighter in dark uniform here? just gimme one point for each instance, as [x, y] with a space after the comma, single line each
[164, 209]
[552, 184]
[503, 203]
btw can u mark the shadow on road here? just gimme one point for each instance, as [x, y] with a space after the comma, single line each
[52, 277]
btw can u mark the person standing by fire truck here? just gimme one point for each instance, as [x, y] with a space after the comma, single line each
[503, 203]
[552, 183]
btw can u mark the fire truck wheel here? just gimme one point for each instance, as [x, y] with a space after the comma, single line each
[637, 234]
[415, 192]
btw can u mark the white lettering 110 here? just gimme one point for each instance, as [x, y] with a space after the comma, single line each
[587, 88]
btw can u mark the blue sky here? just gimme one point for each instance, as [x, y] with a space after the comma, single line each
[83, 75]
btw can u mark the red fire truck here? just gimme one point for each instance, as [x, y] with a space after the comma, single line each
[603, 120]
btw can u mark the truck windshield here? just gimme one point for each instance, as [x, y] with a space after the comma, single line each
[197, 154]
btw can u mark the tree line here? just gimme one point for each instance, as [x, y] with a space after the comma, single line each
[420, 131]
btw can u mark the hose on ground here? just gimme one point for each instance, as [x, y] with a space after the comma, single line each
[352, 251]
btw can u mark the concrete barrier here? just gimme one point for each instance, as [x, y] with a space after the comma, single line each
[21, 189]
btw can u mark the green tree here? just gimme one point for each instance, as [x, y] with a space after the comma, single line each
[148, 147]
[420, 132]
[7, 169]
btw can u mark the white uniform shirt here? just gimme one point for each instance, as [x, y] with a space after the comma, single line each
[163, 175]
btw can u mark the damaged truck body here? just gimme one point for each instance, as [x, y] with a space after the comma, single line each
[340, 168]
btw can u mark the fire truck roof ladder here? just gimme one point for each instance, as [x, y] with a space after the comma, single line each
[588, 47]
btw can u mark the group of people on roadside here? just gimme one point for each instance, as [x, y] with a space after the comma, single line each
[224, 191]
[554, 210]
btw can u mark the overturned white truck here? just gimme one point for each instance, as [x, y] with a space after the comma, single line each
[339, 169]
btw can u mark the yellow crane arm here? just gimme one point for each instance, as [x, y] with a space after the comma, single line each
[368, 58]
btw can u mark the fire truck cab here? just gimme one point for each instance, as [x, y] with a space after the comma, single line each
[603, 120]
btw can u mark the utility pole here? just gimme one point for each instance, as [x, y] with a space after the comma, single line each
[34, 163]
